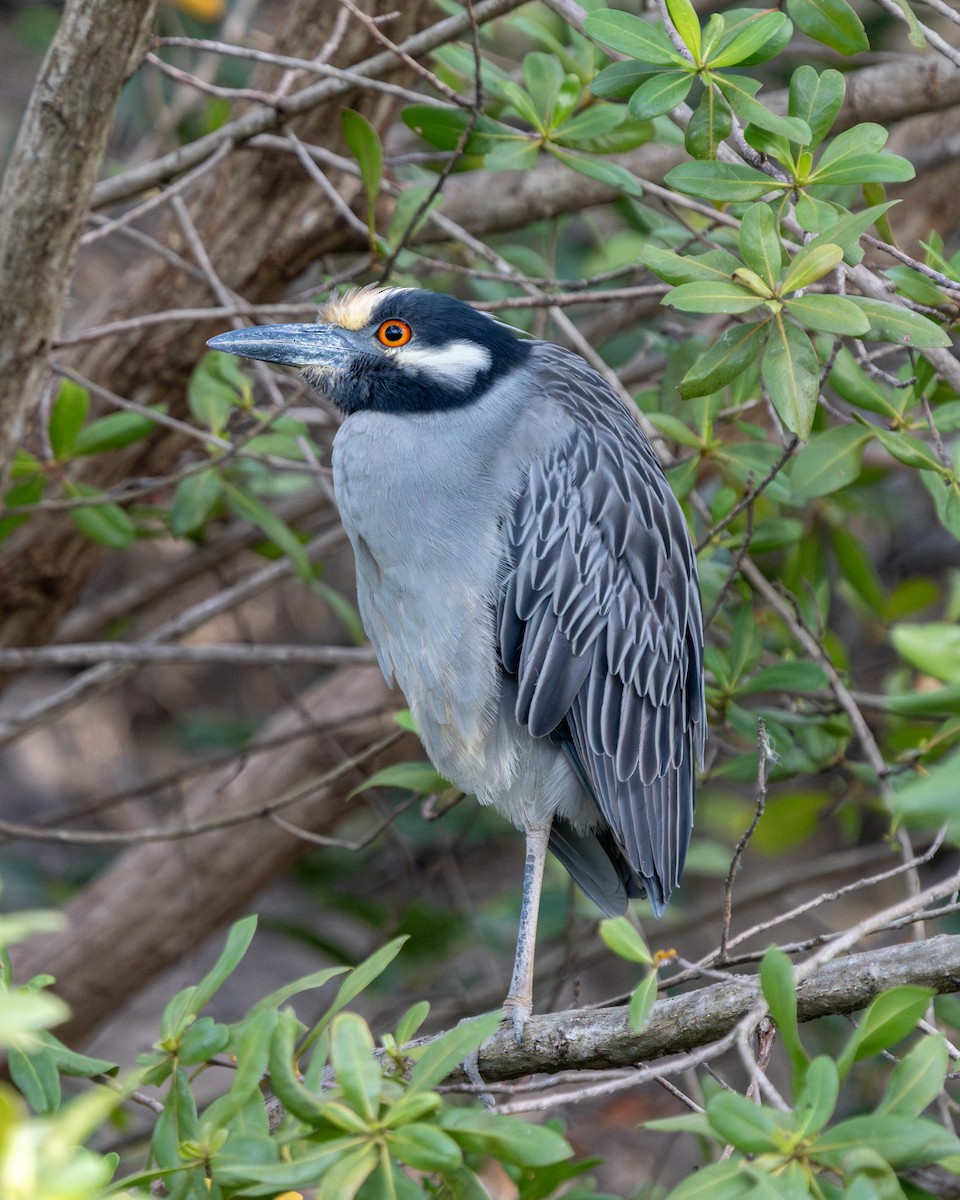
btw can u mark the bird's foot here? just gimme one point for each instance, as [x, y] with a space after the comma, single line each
[471, 1068]
[516, 1012]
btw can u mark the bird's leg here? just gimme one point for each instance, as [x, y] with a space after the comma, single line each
[519, 1002]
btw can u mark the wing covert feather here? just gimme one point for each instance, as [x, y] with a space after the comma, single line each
[599, 617]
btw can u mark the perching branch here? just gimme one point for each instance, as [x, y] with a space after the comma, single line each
[601, 1039]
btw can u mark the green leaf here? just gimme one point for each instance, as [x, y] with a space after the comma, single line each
[439, 1057]
[810, 264]
[543, 76]
[660, 94]
[865, 168]
[406, 208]
[903, 1144]
[675, 429]
[722, 181]
[411, 1107]
[745, 1125]
[752, 112]
[112, 432]
[67, 417]
[248, 506]
[888, 1020]
[70, 1062]
[939, 703]
[364, 144]
[845, 231]
[832, 22]
[626, 134]
[894, 323]
[687, 24]
[621, 937]
[620, 80]
[193, 501]
[933, 648]
[710, 123]
[779, 985]
[791, 375]
[358, 980]
[728, 357]
[736, 20]
[830, 461]
[945, 492]
[411, 1021]
[716, 265]
[906, 448]
[855, 156]
[420, 777]
[851, 382]
[250, 1042]
[829, 314]
[817, 1099]
[794, 675]
[24, 1012]
[723, 1180]
[642, 1001]
[930, 800]
[297, 1098]
[306, 983]
[917, 1079]
[267, 1179]
[344, 1178]
[610, 173]
[747, 38]
[425, 1148]
[202, 1040]
[238, 940]
[35, 1074]
[630, 35]
[817, 99]
[107, 524]
[444, 127]
[712, 298]
[210, 397]
[358, 1071]
[504, 1138]
[759, 243]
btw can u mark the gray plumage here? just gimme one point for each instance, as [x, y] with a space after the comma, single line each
[526, 577]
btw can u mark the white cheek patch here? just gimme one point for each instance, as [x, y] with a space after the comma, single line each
[458, 363]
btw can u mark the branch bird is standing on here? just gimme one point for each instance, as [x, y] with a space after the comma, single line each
[525, 575]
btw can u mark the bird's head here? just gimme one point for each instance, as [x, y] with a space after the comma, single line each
[389, 350]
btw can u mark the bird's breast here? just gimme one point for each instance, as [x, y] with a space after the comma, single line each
[422, 515]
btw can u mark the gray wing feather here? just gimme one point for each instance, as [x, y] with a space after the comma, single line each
[599, 618]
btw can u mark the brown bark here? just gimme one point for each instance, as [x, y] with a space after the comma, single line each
[47, 185]
[157, 901]
[601, 1039]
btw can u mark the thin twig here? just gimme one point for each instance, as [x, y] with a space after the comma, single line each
[765, 753]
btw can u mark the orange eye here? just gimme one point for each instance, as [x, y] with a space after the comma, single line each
[394, 333]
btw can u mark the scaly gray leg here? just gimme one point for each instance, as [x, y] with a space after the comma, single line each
[519, 1002]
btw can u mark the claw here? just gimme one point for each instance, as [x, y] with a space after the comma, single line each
[516, 1012]
[471, 1068]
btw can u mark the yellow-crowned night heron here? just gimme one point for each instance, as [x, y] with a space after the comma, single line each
[525, 575]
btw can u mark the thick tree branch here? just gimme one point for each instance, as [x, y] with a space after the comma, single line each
[47, 186]
[591, 1039]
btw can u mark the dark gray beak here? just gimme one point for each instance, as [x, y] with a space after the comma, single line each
[293, 345]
